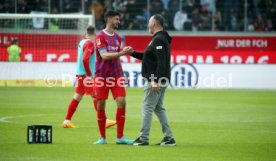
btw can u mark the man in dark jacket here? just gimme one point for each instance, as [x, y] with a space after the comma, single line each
[156, 72]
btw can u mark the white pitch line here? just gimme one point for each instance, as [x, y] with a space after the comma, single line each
[6, 118]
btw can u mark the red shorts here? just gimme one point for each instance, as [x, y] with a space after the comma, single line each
[102, 87]
[84, 87]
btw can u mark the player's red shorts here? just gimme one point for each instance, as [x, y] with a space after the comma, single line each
[84, 87]
[102, 87]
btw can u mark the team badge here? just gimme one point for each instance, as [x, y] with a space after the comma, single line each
[159, 47]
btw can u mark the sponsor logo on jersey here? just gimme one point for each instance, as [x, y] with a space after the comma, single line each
[98, 42]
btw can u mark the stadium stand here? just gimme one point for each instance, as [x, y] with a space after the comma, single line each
[200, 15]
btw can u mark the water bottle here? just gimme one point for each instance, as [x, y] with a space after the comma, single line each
[36, 136]
[42, 135]
[49, 135]
[30, 135]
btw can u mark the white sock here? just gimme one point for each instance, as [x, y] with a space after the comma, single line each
[66, 121]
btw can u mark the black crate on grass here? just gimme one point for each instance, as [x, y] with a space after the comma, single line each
[39, 134]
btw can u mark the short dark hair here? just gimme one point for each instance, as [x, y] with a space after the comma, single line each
[90, 30]
[15, 40]
[159, 19]
[111, 13]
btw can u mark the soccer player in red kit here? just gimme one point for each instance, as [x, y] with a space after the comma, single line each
[84, 74]
[108, 75]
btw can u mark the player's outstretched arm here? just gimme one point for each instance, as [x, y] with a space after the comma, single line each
[109, 56]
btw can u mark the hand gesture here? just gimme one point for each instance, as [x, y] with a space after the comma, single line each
[128, 50]
[155, 87]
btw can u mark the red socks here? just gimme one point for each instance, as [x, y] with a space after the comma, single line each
[120, 118]
[95, 104]
[101, 122]
[71, 109]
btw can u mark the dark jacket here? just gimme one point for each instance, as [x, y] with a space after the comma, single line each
[156, 58]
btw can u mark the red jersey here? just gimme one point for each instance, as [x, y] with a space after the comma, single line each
[112, 44]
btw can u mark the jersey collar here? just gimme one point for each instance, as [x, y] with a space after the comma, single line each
[108, 33]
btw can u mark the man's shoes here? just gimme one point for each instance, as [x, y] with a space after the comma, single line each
[124, 140]
[110, 123]
[167, 141]
[101, 141]
[139, 142]
[68, 125]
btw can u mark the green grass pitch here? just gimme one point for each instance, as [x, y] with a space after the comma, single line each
[208, 125]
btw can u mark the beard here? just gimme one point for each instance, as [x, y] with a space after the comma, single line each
[115, 26]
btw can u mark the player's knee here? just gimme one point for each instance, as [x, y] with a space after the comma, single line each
[101, 104]
[77, 97]
[121, 103]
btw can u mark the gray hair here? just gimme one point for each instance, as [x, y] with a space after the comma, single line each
[159, 19]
